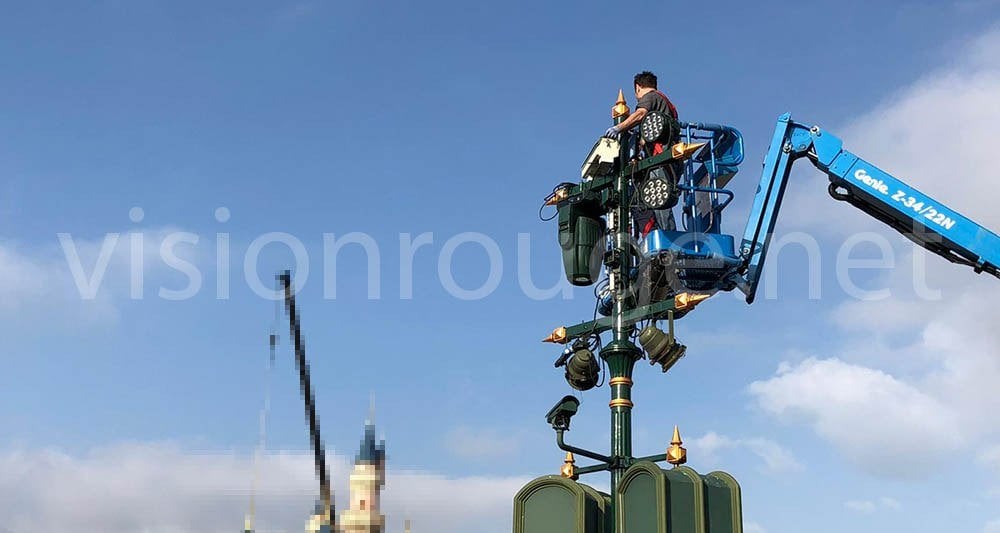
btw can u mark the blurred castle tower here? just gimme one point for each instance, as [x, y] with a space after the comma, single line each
[367, 481]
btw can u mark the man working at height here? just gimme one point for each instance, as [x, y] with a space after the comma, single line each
[650, 99]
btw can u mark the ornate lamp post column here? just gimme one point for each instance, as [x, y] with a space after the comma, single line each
[621, 354]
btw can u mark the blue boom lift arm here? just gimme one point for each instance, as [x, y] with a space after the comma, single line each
[863, 185]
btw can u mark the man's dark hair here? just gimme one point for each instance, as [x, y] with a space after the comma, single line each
[645, 79]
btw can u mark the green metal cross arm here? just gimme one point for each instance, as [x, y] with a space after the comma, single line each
[598, 189]
[589, 188]
[632, 167]
[629, 317]
[593, 468]
[601, 467]
[651, 162]
[652, 458]
[593, 186]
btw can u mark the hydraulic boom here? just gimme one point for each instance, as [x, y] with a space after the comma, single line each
[920, 218]
[696, 258]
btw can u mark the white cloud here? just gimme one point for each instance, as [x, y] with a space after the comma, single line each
[154, 254]
[775, 458]
[161, 488]
[36, 285]
[711, 443]
[753, 527]
[891, 315]
[451, 504]
[860, 506]
[77, 283]
[992, 526]
[890, 503]
[871, 506]
[991, 457]
[470, 443]
[940, 398]
[881, 423]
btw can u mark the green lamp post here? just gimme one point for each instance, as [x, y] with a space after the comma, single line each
[620, 354]
[595, 227]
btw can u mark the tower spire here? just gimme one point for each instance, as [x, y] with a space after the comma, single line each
[366, 482]
[371, 410]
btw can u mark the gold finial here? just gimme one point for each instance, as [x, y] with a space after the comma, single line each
[406, 525]
[685, 300]
[558, 336]
[684, 150]
[557, 196]
[568, 469]
[676, 454]
[620, 108]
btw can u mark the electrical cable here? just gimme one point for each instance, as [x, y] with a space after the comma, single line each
[543, 219]
[552, 195]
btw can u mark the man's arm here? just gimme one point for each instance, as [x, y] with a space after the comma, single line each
[632, 119]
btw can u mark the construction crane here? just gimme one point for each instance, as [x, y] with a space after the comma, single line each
[324, 520]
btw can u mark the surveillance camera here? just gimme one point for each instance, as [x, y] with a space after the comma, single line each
[559, 415]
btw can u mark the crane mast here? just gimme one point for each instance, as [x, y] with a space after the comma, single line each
[305, 385]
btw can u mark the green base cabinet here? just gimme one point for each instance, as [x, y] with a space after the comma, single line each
[553, 504]
[723, 503]
[678, 500]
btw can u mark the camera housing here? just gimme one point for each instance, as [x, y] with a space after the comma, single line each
[563, 411]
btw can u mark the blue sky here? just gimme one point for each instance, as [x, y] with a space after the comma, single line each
[391, 118]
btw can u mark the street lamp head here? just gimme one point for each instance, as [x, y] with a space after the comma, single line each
[582, 369]
[661, 348]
